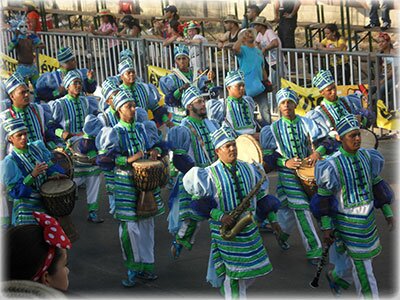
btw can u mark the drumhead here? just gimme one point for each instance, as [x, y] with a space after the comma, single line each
[61, 158]
[147, 163]
[248, 149]
[306, 172]
[57, 186]
[368, 139]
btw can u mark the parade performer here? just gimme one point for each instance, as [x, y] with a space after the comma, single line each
[24, 170]
[227, 191]
[119, 147]
[173, 85]
[349, 188]
[39, 124]
[49, 85]
[145, 95]
[192, 146]
[334, 108]
[294, 138]
[25, 45]
[69, 112]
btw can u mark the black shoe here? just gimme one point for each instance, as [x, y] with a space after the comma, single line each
[385, 26]
[147, 275]
[94, 218]
[371, 25]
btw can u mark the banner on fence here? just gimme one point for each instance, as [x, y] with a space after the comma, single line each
[385, 119]
[8, 64]
[154, 75]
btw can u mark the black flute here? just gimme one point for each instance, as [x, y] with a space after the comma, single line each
[322, 262]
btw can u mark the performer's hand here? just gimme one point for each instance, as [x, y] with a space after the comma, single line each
[227, 220]
[184, 87]
[390, 223]
[90, 74]
[312, 159]
[66, 135]
[359, 118]
[135, 157]
[276, 228]
[154, 154]
[293, 163]
[169, 124]
[328, 237]
[40, 168]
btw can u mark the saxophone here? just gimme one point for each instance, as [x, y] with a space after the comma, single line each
[229, 232]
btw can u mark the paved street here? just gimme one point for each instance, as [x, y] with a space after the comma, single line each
[96, 266]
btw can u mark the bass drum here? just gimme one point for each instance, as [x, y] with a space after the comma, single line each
[368, 139]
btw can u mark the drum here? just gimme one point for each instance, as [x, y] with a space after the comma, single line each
[146, 178]
[248, 149]
[61, 158]
[58, 196]
[368, 139]
[307, 178]
[78, 156]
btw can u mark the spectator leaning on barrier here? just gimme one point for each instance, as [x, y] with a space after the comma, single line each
[194, 37]
[251, 62]
[131, 27]
[175, 32]
[231, 25]
[335, 43]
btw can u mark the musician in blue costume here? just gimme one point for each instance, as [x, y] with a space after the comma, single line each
[333, 108]
[220, 188]
[119, 147]
[173, 85]
[69, 112]
[39, 124]
[294, 138]
[50, 86]
[145, 95]
[192, 146]
[349, 188]
[24, 170]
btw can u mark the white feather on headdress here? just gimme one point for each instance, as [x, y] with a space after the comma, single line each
[16, 20]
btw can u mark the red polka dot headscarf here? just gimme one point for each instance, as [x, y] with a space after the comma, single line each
[54, 235]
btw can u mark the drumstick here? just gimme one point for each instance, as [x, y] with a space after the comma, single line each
[197, 78]
[180, 75]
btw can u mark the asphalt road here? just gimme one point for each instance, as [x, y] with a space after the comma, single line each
[96, 265]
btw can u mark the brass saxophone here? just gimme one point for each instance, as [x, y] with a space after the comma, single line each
[229, 232]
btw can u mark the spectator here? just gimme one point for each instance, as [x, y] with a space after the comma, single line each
[268, 42]
[334, 42]
[156, 27]
[253, 11]
[251, 62]
[125, 7]
[174, 32]
[286, 16]
[231, 25]
[32, 16]
[194, 37]
[170, 13]
[386, 6]
[131, 27]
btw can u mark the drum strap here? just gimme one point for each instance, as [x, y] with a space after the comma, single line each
[198, 137]
[345, 104]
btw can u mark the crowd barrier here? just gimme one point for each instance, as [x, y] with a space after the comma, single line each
[100, 53]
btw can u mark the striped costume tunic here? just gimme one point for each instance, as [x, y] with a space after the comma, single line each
[329, 113]
[70, 114]
[142, 95]
[240, 115]
[127, 139]
[22, 188]
[187, 139]
[350, 177]
[244, 256]
[290, 138]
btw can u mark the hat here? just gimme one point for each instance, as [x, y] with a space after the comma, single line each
[286, 94]
[234, 77]
[70, 77]
[65, 54]
[323, 79]
[261, 21]
[124, 54]
[193, 25]
[108, 88]
[231, 18]
[189, 95]
[125, 65]
[14, 81]
[346, 124]
[222, 136]
[181, 50]
[12, 126]
[171, 8]
[121, 98]
[104, 12]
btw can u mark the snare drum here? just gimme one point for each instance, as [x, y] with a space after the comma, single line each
[307, 178]
[368, 139]
[62, 158]
[58, 196]
[248, 149]
[146, 178]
